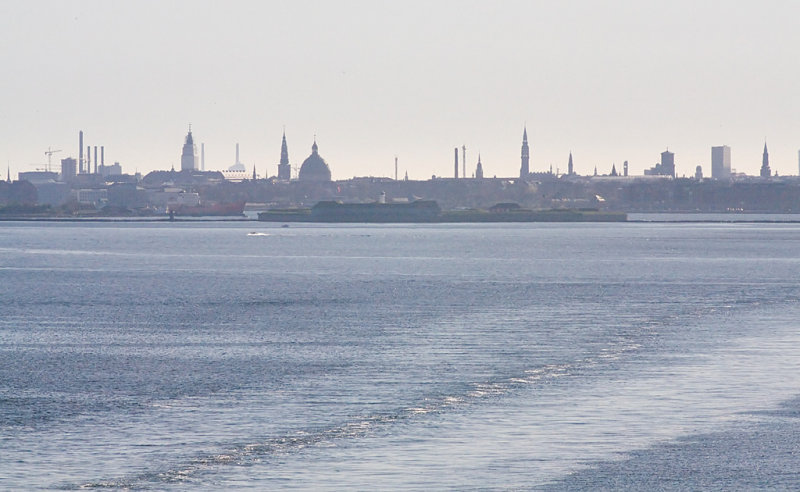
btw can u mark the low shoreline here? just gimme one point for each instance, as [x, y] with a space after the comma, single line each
[633, 218]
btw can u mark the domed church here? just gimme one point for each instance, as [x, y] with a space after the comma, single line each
[314, 167]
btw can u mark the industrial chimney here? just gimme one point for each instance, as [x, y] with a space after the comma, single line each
[456, 172]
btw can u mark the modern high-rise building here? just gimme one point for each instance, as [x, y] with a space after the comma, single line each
[766, 172]
[284, 169]
[721, 162]
[525, 169]
[189, 154]
[668, 163]
[69, 168]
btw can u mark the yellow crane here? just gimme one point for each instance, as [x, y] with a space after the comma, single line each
[49, 153]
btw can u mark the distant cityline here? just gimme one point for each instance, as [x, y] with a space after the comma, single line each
[315, 168]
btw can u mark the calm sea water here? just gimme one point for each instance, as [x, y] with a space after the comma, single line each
[507, 356]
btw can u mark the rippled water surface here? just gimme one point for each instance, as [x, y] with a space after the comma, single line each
[500, 356]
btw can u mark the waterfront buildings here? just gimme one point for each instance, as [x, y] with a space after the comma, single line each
[665, 168]
[721, 162]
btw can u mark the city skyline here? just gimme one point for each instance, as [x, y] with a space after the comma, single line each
[608, 82]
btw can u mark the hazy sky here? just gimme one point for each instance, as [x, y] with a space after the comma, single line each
[608, 80]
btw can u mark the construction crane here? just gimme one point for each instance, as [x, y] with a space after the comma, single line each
[49, 153]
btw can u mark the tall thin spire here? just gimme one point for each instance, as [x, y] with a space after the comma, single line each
[284, 150]
[284, 169]
[569, 164]
[765, 170]
[524, 169]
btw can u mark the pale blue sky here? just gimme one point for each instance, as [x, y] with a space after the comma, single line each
[611, 81]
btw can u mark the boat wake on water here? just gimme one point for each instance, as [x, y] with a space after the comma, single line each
[361, 427]
[420, 357]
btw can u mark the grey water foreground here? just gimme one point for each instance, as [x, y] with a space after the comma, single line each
[759, 452]
[559, 356]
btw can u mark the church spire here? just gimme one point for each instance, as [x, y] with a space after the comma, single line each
[569, 164]
[524, 169]
[765, 170]
[284, 150]
[284, 169]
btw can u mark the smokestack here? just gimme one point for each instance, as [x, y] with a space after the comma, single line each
[102, 156]
[464, 161]
[202, 156]
[456, 173]
[80, 152]
[237, 154]
[88, 159]
[95, 159]
[395, 168]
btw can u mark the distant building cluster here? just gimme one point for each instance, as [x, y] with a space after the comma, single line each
[88, 184]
